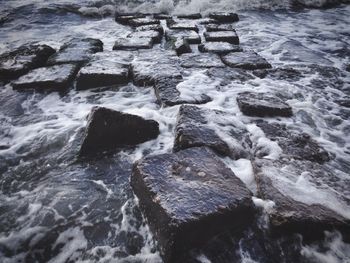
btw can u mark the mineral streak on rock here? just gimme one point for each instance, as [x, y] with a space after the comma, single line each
[193, 130]
[56, 77]
[246, 60]
[188, 197]
[133, 43]
[224, 17]
[19, 61]
[203, 60]
[263, 104]
[109, 130]
[220, 48]
[222, 36]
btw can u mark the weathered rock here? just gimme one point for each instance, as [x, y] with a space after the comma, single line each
[246, 60]
[191, 36]
[157, 28]
[76, 51]
[56, 77]
[154, 35]
[279, 74]
[295, 145]
[105, 69]
[133, 43]
[124, 18]
[202, 127]
[222, 36]
[298, 208]
[162, 16]
[344, 102]
[190, 16]
[224, 17]
[220, 48]
[263, 104]
[172, 24]
[18, 62]
[204, 60]
[168, 94]
[227, 75]
[219, 27]
[181, 46]
[147, 67]
[143, 22]
[189, 197]
[109, 130]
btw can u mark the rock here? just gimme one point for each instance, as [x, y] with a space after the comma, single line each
[222, 36]
[148, 66]
[191, 36]
[143, 22]
[263, 104]
[190, 16]
[188, 197]
[347, 68]
[168, 94]
[108, 130]
[220, 48]
[56, 77]
[105, 69]
[181, 46]
[295, 145]
[19, 61]
[344, 102]
[154, 35]
[76, 51]
[246, 60]
[202, 127]
[300, 208]
[124, 18]
[204, 60]
[133, 43]
[224, 17]
[279, 74]
[11, 104]
[157, 28]
[182, 25]
[219, 27]
[162, 16]
[227, 75]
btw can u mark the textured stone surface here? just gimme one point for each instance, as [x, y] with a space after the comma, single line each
[153, 34]
[76, 51]
[203, 60]
[222, 36]
[56, 77]
[109, 130]
[124, 18]
[182, 25]
[133, 43]
[220, 48]
[189, 197]
[219, 27]
[190, 16]
[143, 22]
[191, 36]
[202, 127]
[263, 104]
[157, 28]
[246, 60]
[19, 61]
[224, 17]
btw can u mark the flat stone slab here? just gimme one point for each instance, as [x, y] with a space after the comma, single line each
[188, 197]
[56, 77]
[220, 48]
[153, 34]
[76, 51]
[246, 60]
[222, 36]
[105, 69]
[191, 36]
[157, 28]
[143, 22]
[224, 17]
[124, 18]
[262, 105]
[162, 16]
[203, 60]
[215, 129]
[308, 198]
[19, 61]
[108, 129]
[182, 25]
[295, 145]
[133, 43]
[190, 16]
[219, 27]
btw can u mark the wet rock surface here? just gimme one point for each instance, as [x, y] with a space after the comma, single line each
[133, 43]
[107, 129]
[19, 61]
[58, 77]
[154, 27]
[204, 60]
[222, 36]
[263, 104]
[219, 27]
[182, 25]
[190, 35]
[224, 17]
[246, 60]
[202, 127]
[153, 34]
[194, 200]
[124, 18]
[220, 48]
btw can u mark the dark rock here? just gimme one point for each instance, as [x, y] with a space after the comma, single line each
[4, 147]
[189, 197]
[190, 16]
[157, 28]
[181, 46]
[219, 27]
[154, 35]
[168, 95]
[220, 48]
[191, 36]
[222, 36]
[162, 16]
[296, 209]
[124, 18]
[182, 25]
[344, 102]
[11, 103]
[108, 130]
[227, 75]
[193, 129]
[263, 104]
[246, 60]
[143, 22]
[279, 74]
[18, 62]
[224, 17]
[56, 77]
[105, 69]
[208, 21]
[133, 43]
[204, 60]
[294, 144]
[76, 51]
[347, 68]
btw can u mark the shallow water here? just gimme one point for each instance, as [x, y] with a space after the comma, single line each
[55, 209]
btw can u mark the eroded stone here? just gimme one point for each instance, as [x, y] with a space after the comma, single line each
[220, 48]
[191, 36]
[203, 60]
[153, 34]
[219, 27]
[190, 16]
[182, 25]
[157, 28]
[222, 36]
[246, 60]
[124, 18]
[224, 17]
[143, 22]
[133, 43]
